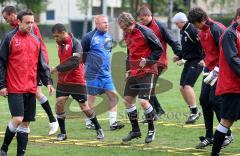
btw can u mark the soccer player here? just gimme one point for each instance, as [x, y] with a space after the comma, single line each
[21, 60]
[193, 54]
[144, 50]
[209, 35]
[9, 13]
[97, 46]
[71, 79]
[165, 37]
[228, 85]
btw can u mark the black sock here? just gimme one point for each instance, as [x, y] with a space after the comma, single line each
[208, 120]
[95, 121]
[194, 110]
[22, 140]
[49, 112]
[7, 139]
[61, 122]
[218, 141]
[150, 118]
[133, 117]
[229, 133]
[152, 101]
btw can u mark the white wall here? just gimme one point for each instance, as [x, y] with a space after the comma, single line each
[65, 10]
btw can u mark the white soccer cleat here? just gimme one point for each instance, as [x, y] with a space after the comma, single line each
[53, 128]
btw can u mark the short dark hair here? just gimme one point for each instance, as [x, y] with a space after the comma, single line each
[9, 9]
[197, 14]
[144, 11]
[237, 13]
[58, 28]
[24, 13]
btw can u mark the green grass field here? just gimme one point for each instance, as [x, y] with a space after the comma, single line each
[173, 136]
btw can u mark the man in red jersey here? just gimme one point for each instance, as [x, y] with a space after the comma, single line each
[166, 37]
[20, 52]
[144, 50]
[209, 35]
[71, 79]
[9, 13]
[228, 85]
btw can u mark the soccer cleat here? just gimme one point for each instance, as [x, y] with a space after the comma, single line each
[116, 125]
[228, 140]
[53, 128]
[3, 153]
[132, 135]
[61, 137]
[193, 118]
[90, 126]
[150, 137]
[100, 134]
[204, 142]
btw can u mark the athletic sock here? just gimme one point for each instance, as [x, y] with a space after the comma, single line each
[94, 120]
[219, 138]
[61, 121]
[22, 140]
[9, 135]
[46, 106]
[112, 117]
[88, 121]
[193, 109]
[149, 114]
[133, 117]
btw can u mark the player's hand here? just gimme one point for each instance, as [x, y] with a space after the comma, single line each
[4, 92]
[50, 89]
[181, 62]
[202, 63]
[53, 70]
[175, 58]
[142, 62]
[212, 77]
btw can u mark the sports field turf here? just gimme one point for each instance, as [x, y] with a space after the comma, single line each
[173, 136]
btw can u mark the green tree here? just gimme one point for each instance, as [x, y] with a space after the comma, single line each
[83, 6]
[37, 6]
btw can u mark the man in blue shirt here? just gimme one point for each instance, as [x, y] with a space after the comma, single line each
[97, 46]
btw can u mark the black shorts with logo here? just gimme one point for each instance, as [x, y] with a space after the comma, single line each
[23, 105]
[230, 109]
[77, 91]
[190, 73]
[140, 86]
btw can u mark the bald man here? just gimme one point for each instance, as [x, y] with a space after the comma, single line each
[97, 46]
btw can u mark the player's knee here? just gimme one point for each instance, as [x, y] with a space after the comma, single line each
[17, 120]
[128, 101]
[39, 94]
[144, 103]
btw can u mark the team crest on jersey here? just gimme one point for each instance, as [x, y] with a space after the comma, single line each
[108, 43]
[67, 47]
[96, 40]
[17, 43]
